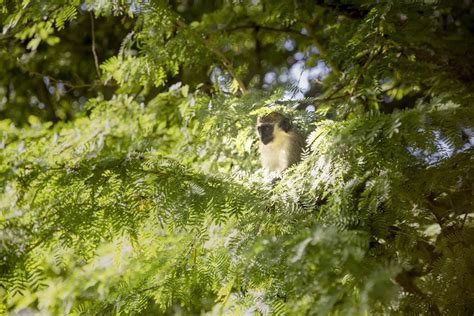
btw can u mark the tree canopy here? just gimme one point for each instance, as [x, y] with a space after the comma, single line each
[130, 178]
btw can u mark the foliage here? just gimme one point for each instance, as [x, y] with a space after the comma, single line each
[130, 183]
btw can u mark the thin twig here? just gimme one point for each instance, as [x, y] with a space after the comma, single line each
[322, 52]
[265, 28]
[298, 83]
[96, 59]
[258, 59]
[311, 101]
[371, 58]
[223, 59]
[71, 86]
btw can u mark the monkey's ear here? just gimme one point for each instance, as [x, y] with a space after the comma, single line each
[285, 125]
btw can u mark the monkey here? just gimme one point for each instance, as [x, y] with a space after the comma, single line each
[281, 144]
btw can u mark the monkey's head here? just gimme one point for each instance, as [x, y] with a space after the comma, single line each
[268, 124]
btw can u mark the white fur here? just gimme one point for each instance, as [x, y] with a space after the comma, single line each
[274, 155]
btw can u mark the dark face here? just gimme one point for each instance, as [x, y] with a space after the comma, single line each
[266, 133]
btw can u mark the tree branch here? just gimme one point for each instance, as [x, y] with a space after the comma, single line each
[222, 58]
[322, 52]
[266, 28]
[96, 59]
[71, 86]
[258, 59]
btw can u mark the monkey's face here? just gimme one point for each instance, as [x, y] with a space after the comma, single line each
[265, 131]
[271, 125]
